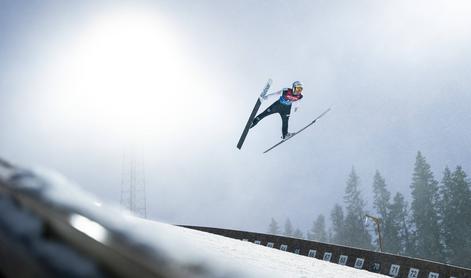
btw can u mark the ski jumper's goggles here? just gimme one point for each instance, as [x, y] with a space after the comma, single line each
[298, 89]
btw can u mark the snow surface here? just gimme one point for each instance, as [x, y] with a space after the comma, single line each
[255, 260]
[223, 256]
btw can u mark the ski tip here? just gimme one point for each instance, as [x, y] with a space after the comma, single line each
[323, 113]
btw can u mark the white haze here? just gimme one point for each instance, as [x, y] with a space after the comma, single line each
[395, 73]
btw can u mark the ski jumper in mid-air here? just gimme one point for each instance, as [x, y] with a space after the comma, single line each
[288, 100]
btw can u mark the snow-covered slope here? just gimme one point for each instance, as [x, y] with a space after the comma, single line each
[208, 255]
[248, 259]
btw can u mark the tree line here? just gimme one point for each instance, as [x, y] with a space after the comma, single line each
[435, 225]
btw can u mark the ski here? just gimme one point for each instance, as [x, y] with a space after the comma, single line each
[297, 132]
[253, 114]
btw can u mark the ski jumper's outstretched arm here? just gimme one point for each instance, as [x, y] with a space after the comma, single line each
[267, 96]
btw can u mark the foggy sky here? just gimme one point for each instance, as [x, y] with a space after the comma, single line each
[396, 74]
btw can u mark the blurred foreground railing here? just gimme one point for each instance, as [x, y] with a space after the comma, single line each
[40, 239]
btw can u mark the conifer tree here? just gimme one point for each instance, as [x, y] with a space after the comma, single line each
[338, 225]
[274, 228]
[318, 231]
[397, 238]
[424, 209]
[381, 203]
[330, 235]
[381, 196]
[310, 234]
[456, 216]
[357, 234]
[444, 190]
[288, 228]
[298, 234]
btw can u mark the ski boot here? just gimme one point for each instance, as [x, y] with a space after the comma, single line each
[287, 136]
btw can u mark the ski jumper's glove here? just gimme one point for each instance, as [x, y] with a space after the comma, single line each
[295, 106]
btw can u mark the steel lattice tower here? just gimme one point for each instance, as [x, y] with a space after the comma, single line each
[133, 184]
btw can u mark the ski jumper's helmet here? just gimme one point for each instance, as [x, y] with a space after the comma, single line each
[297, 86]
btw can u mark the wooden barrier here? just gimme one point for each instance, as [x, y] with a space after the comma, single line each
[383, 263]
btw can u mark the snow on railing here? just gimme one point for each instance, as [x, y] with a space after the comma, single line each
[49, 228]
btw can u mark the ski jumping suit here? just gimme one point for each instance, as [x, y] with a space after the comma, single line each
[282, 106]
